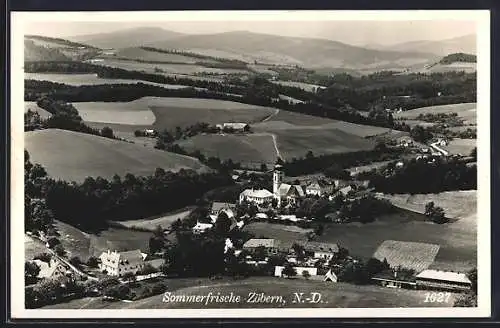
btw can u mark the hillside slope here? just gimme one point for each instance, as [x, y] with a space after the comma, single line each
[34, 52]
[126, 38]
[73, 156]
[466, 44]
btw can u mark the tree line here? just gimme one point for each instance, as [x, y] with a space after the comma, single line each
[422, 177]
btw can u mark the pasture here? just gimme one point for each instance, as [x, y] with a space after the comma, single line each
[461, 146]
[187, 69]
[240, 148]
[31, 105]
[85, 245]
[92, 79]
[304, 86]
[33, 247]
[284, 233]
[297, 142]
[136, 53]
[409, 255]
[98, 156]
[163, 220]
[333, 295]
[467, 111]
[169, 112]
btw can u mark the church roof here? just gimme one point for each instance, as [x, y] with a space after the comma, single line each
[285, 189]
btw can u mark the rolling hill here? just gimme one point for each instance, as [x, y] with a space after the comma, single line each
[73, 156]
[127, 37]
[41, 48]
[292, 50]
[466, 44]
[35, 52]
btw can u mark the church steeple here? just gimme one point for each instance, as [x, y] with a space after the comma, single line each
[277, 178]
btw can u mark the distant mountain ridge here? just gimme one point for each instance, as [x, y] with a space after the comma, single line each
[464, 44]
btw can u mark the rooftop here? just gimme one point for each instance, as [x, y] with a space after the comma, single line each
[257, 193]
[444, 276]
[257, 242]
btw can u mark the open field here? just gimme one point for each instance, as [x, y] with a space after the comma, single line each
[164, 220]
[141, 54]
[84, 245]
[170, 112]
[333, 295]
[461, 146]
[278, 231]
[301, 85]
[98, 156]
[188, 69]
[239, 148]
[457, 240]
[466, 111]
[409, 255]
[297, 142]
[286, 120]
[34, 107]
[93, 79]
[33, 247]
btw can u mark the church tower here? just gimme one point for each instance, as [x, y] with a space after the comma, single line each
[277, 179]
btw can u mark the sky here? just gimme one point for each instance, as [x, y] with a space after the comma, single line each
[351, 32]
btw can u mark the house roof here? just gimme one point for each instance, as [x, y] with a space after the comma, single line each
[314, 186]
[257, 193]
[345, 190]
[217, 206]
[156, 263]
[236, 126]
[319, 247]
[444, 276]
[257, 242]
[203, 226]
[286, 188]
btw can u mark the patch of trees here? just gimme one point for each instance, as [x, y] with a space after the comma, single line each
[53, 291]
[421, 134]
[451, 119]
[360, 272]
[469, 299]
[335, 164]
[91, 203]
[64, 116]
[422, 177]
[435, 213]
[458, 57]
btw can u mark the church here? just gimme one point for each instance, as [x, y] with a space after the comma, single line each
[285, 193]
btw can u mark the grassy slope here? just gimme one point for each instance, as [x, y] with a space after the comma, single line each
[333, 295]
[239, 148]
[31, 105]
[97, 156]
[465, 110]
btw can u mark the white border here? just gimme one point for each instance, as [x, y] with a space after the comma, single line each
[482, 17]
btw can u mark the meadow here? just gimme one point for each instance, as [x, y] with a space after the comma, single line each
[467, 111]
[187, 69]
[85, 245]
[411, 255]
[240, 148]
[333, 295]
[169, 112]
[304, 86]
[92, 79]
[137, 53]
[461, 146]
[163, 220]
[98, 156]
[31, 105]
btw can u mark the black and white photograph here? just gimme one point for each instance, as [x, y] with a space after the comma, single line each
[250, 164]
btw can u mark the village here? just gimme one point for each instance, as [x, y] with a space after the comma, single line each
[395, 264]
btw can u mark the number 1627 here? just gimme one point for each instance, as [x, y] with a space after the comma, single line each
[437, 297]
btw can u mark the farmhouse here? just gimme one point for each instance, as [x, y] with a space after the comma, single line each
[443, 280]
[393, 280]
[257, 196]
[118, 263]
[51, 270]
[271, 245]
[317, 188]
[322, 250]
[219, 207]
[239, 127]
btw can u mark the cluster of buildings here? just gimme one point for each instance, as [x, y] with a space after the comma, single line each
[116, 263]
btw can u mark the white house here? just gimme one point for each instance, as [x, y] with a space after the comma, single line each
[201, 227]
[443, 280]
[118, 263]
[50, 270]
[257, 196]
[240, 127]
[271, 245]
